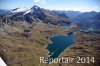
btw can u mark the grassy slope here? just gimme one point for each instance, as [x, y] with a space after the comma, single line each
[26, 51]
[22, 51]
[87, 45]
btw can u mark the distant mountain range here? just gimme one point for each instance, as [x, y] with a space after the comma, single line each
[70, 14]
[86, 20]
[4, 12]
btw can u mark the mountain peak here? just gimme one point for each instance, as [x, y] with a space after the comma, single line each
[35, 7]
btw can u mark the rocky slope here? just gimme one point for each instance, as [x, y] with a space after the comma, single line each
[37, 14]
[17, 49]
[87, 45]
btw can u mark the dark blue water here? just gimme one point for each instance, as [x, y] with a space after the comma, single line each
[59, 44]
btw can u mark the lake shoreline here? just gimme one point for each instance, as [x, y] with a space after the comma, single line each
[61, 51]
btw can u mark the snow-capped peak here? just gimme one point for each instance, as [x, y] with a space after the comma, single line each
[20, 10]
[35, 7]
[31, 10]
[26, 10]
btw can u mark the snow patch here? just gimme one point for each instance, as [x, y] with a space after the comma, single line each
[27, 12]
[20, 10]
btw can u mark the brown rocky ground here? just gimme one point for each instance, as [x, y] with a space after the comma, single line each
[18, 50]
[87, 45]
